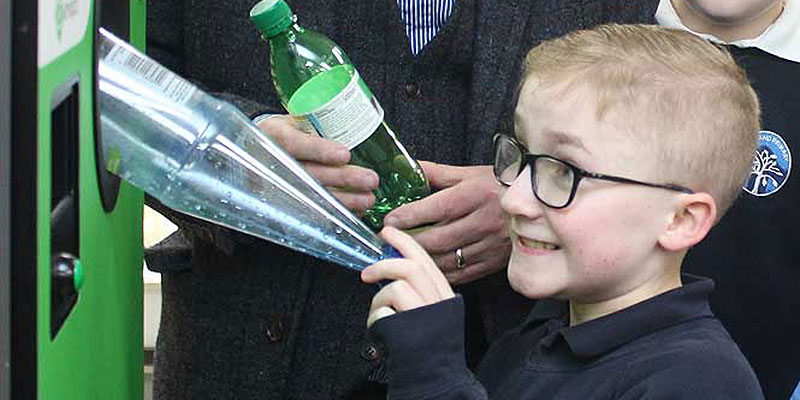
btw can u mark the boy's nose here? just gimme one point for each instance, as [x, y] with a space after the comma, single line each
[519, 199]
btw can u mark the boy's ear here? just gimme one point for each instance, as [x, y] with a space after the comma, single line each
[694, 216]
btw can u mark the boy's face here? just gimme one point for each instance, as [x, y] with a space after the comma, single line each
[732, 12]
[604, 244]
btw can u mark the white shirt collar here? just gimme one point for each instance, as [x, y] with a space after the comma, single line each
[781, 39]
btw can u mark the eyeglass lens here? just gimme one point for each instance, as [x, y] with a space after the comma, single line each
[507, 160]
[551, 179]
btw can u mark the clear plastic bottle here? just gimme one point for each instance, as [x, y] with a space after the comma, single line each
[203, 157]
[321, 88]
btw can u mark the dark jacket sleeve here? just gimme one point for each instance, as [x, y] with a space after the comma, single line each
[165, 34]
[425, 353]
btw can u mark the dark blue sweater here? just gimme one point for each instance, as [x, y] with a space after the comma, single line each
[753, 254]
[668, 347]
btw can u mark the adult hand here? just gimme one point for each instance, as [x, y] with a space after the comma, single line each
[416, 281]
[466, 215]
[326, 160]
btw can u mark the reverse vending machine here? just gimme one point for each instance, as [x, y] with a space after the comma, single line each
[70, 234]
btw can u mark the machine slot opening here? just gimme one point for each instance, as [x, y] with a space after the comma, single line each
[64, 213]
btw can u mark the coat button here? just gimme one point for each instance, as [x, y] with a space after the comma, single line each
[370, 352]
[275, 329]
[412, 90]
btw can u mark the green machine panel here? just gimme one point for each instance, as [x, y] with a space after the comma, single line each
[74, 298]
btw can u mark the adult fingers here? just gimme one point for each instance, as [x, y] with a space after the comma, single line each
[303, 146]
[356, 202]
[480, 259]
[438, 207]
[485, 221]
[476, 271]
[473, 253]
[349, 177]
[474, 187]
[442, 175]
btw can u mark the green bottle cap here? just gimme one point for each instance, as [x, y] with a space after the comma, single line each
[271, 17]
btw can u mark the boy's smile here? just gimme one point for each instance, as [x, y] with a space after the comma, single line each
[604, 245]
[531, 245]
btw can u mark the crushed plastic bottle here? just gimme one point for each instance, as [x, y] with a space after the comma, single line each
[203, 157]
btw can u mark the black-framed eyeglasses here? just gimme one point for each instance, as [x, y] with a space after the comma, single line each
[554, 182]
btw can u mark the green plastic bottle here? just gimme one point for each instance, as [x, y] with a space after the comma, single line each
[321, 89]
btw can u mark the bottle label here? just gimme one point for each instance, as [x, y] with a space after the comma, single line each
[349, 118]
[170, 84]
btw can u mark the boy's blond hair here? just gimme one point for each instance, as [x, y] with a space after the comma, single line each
[687, 98]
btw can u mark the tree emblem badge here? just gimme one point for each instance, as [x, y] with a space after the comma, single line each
[771, 165]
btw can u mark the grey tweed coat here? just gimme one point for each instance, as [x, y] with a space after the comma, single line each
[245, 319]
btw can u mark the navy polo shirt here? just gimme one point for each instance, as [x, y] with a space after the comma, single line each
[670, 346]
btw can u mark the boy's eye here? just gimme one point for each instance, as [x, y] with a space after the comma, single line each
[562, 176]
[555, 177]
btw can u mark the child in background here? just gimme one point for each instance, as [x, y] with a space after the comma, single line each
[754, 254]
[631, 141]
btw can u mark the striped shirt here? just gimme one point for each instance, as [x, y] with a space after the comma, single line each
[423, 19]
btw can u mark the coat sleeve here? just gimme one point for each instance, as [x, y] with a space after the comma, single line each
[166, 29]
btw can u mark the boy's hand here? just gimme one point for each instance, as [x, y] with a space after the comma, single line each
[467, 215]
[326, 160]
[416, 282]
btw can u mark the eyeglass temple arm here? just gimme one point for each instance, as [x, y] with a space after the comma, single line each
[612, 178]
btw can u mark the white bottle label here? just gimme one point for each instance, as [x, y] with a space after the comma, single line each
[170, 84]
[349, 118]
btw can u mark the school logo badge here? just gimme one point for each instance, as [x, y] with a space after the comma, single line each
[771, 165]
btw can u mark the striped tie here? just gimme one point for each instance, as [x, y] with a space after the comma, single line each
[423, 19]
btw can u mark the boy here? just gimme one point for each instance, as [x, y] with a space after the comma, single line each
[666, 123]
[754, 254]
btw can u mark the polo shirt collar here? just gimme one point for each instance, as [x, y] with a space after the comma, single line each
[781, 39]
[546, 309]
[604, 334]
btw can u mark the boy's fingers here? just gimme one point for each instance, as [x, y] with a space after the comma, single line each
[379, 313]
[399, 296]
[409, 273]
[410, 249]
[406, 245]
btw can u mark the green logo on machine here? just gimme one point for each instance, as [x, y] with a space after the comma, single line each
[64, 11]
[59, 18]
